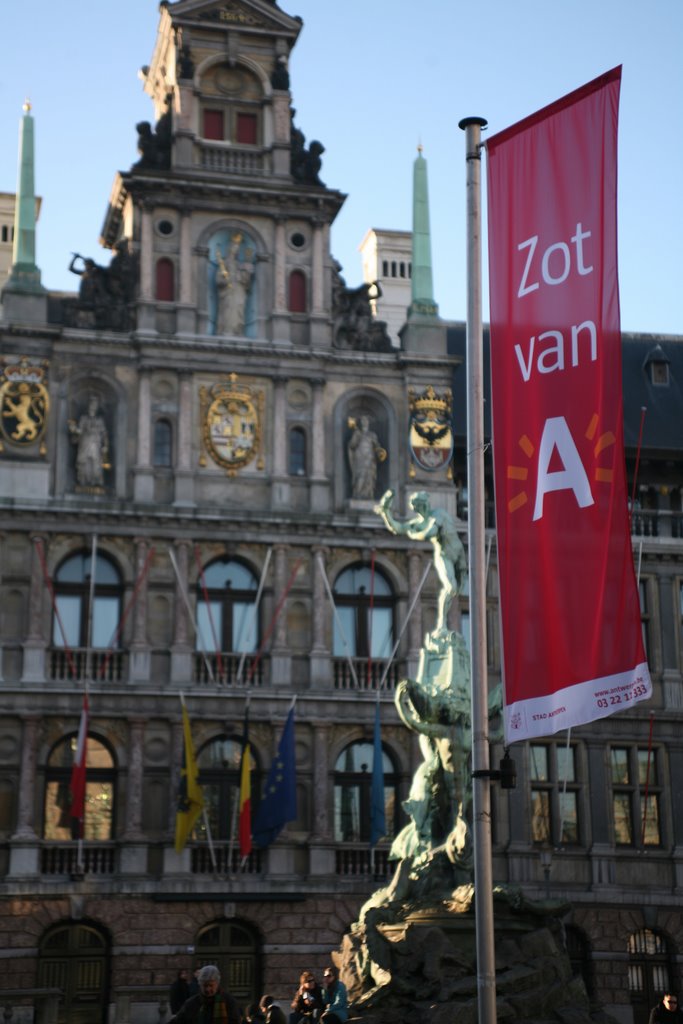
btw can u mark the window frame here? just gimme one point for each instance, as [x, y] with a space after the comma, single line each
[552, 790]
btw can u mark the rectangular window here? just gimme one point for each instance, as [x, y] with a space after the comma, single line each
[246, 129]
[554, 794]
[213, 125]
[635, 796]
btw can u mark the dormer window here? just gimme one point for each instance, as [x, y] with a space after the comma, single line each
[657, 364]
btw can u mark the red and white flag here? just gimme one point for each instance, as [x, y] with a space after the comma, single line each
[77, 784]
[572, 641]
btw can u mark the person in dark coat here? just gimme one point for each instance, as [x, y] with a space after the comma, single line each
[667, 1011]
[212, 1006]
[272, 1011]
[179, 991]
[307, 1003]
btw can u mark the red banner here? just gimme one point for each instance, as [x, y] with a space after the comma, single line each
[572, 641]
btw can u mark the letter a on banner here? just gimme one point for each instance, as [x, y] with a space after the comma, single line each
[572, 641]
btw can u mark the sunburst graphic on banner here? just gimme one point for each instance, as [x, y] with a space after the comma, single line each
[600, 442]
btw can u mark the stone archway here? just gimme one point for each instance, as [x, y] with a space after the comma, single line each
[75, 957]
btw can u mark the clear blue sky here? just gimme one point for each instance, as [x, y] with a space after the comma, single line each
[371, 78]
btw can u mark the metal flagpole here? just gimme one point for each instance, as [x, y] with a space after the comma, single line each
[483, 874]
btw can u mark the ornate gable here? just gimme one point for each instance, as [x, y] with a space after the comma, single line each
[250, 15]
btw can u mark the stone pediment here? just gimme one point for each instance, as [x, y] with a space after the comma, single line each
[245, 15]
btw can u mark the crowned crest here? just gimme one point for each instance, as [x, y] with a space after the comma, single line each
[431, 434]
[231, 421]
[24, 405]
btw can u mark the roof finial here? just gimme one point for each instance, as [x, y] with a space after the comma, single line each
[27, 106]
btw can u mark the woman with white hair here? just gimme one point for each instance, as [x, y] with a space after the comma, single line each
[212, 1005]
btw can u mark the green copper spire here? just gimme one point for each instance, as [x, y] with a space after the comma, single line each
[422, 288]
[25, 275]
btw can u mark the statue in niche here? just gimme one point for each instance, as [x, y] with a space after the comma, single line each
[92, 455]
[235, 270]
[364, 451]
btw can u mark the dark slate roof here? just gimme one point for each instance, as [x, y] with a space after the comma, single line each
[663, 424]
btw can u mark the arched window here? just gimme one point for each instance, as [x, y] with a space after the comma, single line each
[219, 776]
[74, 626]
[234, 948]
[163, 443]
[100, 781]
[297, 451]
[352, 793]
[650, 972]
[74, 957]
[297, 292]
[165, 280]
[367, 634]
[228, 620]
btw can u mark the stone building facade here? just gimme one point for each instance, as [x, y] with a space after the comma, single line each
[183, 427]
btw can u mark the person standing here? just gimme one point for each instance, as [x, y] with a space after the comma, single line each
[667, 1011]
[179, 992]
[335, 998]
[212, 1006]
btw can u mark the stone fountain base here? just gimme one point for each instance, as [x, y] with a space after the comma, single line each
[417, 963]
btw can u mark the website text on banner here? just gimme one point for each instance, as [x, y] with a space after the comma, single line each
[572, 642]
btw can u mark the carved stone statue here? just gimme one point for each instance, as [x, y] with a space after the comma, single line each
[92, 290]
[305, 163]
[234, 277]
[436, 526]
[90, 435]
[354, 325]
[154, 145]
[434, 850]
[364, 452]
[106, 294]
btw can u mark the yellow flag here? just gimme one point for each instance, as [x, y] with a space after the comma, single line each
[190, 796]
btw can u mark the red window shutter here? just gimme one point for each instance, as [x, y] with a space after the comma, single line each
[297, 292]
[165, 283]
[246, 129]
[213, 125]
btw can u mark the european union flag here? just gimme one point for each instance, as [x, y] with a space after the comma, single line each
[278, 805]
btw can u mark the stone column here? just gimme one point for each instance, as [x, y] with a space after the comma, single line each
[280, 488]
[321, 656]
[321, 847]
[133, 856]
[181, 651]
[319, 484]
[146, 304]
[185, 305]
[280, 658]
[320, 321]
[140, 654]
[144, 476]
[184, 477]
[24, 848]
[33, 670]
[280, 316]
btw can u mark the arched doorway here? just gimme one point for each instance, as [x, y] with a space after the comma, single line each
[235, 949]
[650, 972]
[75, 958]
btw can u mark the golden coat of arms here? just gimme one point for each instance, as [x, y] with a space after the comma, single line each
[24, 405]
[231, 423]
[431, 434]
